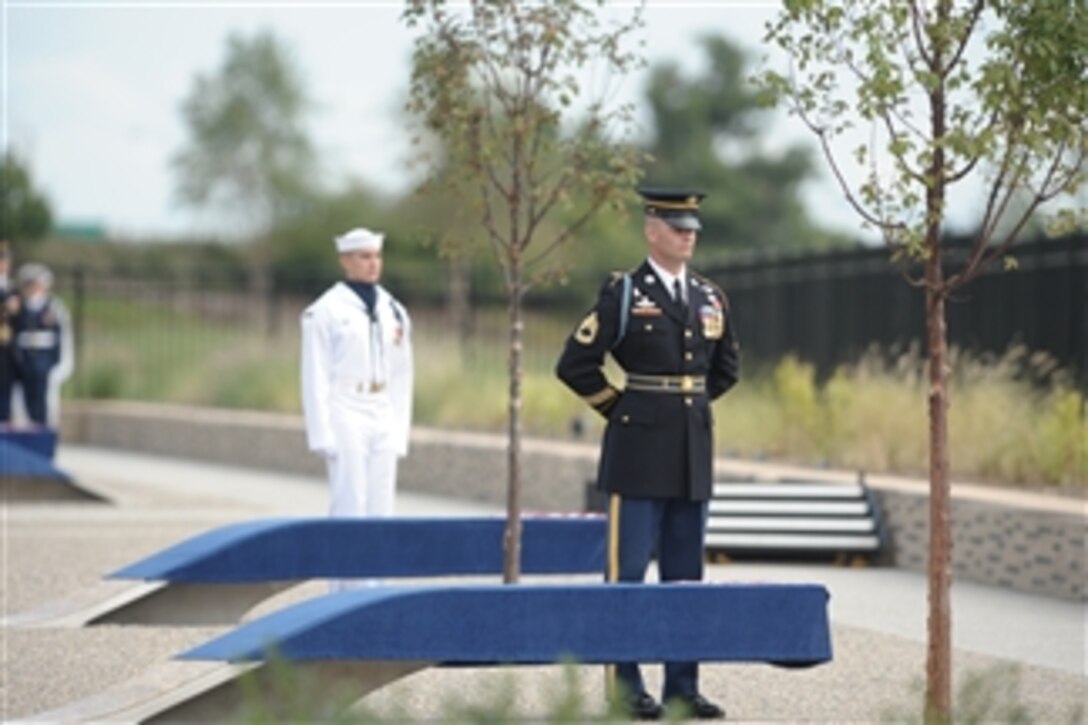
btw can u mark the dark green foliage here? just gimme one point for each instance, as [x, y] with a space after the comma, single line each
[248, 151]
[25, 214]
[709, 133]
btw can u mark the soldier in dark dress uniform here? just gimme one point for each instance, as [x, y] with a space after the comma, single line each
[670, 331]
[9, 307]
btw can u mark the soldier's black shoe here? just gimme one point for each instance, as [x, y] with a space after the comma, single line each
[696, 706]
[643, 707]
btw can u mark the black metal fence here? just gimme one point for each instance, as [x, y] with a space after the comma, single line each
[827, 309]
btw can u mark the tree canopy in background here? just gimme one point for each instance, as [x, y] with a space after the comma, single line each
[709, 132]
[248, 153]
[698, 124]
[25, 213]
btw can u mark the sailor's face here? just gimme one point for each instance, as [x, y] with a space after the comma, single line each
[362, 265]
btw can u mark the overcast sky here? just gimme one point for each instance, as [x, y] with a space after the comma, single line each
[92, 92]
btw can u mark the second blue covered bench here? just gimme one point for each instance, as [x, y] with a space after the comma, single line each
[348, 644]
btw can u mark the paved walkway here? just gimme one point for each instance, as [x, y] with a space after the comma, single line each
[878, 615]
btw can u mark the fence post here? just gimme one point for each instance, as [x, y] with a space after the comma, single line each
[79, 302]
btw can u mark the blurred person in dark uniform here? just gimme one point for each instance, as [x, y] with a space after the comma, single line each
[43, 345]
[357, 380]
[670, 331]
[9, 307]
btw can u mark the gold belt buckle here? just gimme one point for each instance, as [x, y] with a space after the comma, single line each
[687, 383]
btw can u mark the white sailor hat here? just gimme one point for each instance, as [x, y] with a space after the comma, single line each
[359, 239]
[34, 272]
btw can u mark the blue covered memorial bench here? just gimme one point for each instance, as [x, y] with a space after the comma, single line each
[351, 643]
[215, 577]
[27, 472]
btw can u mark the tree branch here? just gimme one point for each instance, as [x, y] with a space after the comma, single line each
[917, 21]
[974, 13]
[904, 163]
[984, 253]
[829, 155]
[567, 232]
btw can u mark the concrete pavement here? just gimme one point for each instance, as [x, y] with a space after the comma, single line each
[878, 615]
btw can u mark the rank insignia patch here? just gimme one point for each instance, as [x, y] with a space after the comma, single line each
[587, 330]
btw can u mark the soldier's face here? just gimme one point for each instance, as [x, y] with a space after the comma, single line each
[362, 265]
[670, 247]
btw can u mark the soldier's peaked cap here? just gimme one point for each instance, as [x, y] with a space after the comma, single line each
[677, 207]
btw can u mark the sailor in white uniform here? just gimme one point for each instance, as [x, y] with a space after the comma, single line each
[357, 380]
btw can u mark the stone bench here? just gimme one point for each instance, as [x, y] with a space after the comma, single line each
[794, 519]
[351, 643]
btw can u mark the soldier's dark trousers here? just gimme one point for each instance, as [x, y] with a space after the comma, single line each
[673, 529]
[35, 394]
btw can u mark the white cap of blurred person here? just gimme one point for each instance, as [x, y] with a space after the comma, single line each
[359, 239]
[35, 283]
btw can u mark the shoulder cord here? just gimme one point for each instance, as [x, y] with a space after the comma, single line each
[625, 308]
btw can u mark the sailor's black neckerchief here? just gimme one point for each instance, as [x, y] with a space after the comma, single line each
[368, 293]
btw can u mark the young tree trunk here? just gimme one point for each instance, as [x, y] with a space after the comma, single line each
[938, 658]
[512, 536]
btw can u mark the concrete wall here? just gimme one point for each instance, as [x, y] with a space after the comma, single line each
[1022, 546]
[1003, 537]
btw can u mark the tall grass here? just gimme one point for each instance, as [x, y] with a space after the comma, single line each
[1013, 419]
[1004, 425]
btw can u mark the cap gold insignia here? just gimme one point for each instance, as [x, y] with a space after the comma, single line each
[587, 330]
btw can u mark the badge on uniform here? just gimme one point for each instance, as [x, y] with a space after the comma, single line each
[713, 320]
[587, 329]
[645, 307]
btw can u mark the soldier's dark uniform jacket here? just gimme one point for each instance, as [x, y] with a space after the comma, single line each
[658, 442]
[8, 308]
